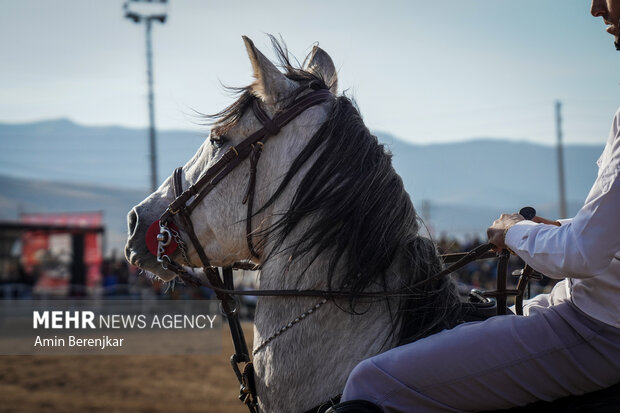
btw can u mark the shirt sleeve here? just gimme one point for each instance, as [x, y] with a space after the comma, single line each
[585, 245]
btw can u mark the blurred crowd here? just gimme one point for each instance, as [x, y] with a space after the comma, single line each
[482, 274]
[118, 280]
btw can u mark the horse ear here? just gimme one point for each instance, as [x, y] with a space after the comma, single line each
[271, 85]
[319, 63]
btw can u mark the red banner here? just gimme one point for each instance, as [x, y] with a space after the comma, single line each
[48, 253]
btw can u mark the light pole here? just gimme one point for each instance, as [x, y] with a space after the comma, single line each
[148, 11]
[560, 156]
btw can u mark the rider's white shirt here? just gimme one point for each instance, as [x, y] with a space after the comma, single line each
[585, 249]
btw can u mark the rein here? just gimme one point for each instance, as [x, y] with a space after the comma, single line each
[179, 213]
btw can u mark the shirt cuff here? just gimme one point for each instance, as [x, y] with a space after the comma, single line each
[518, 232]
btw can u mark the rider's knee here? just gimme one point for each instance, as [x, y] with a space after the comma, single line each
[359, 383]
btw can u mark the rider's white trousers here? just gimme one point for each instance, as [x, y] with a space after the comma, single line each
[501, 362]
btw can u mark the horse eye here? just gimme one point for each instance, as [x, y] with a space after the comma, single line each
[217, 140]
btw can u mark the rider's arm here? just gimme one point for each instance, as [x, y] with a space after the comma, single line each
[584, 246]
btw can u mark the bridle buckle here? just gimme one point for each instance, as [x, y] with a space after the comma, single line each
[164, 236]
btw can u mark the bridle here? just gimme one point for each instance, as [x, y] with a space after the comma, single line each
[179, 212]
[187, 200]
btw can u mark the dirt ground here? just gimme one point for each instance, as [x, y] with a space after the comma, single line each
[121, 383]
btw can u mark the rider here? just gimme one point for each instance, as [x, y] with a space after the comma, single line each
[569, 341]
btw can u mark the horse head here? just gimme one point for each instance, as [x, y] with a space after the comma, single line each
[219, 219]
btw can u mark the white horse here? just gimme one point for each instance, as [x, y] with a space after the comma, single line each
[331, 214]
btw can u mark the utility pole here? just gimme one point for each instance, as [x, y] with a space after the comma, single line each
[426, 216]
[560, 155]
[148, 11]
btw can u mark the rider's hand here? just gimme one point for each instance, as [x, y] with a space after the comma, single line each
[497, 231]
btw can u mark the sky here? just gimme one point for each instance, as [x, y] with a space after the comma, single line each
[426, 72]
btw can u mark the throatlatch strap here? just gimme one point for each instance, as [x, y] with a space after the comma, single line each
[177, 181]
[257, 149]
[241, 349]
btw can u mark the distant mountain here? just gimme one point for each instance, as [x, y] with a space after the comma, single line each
[56, 166]
[492, 172]
[61, 150]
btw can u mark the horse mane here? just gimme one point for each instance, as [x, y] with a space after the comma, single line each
[360, 217]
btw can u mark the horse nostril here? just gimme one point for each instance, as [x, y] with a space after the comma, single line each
[132, 221]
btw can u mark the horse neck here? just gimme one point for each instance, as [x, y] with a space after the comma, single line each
[310, 362]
